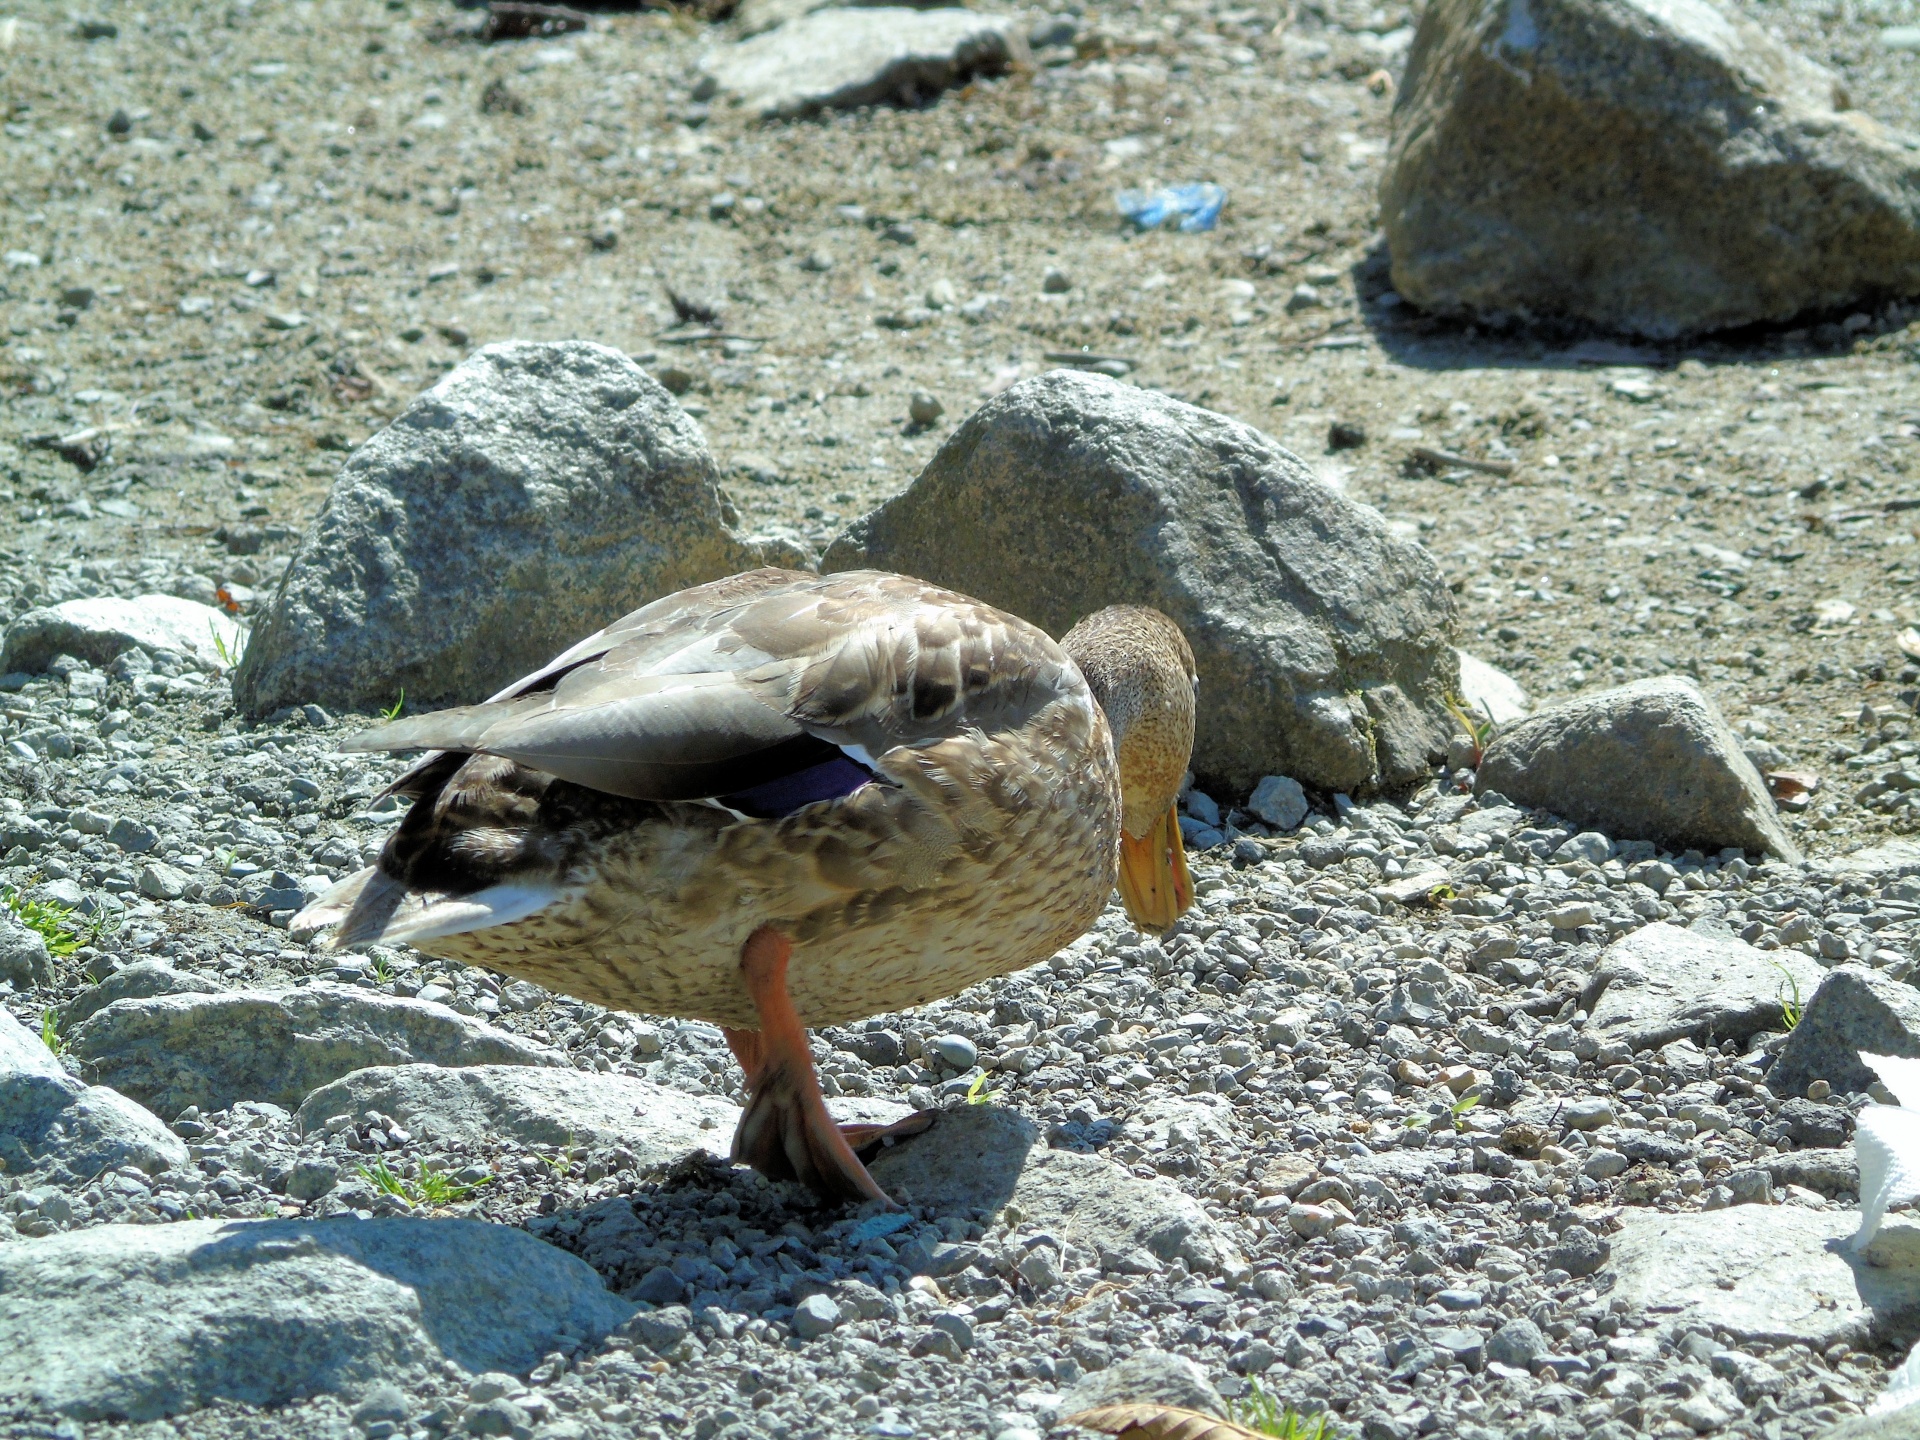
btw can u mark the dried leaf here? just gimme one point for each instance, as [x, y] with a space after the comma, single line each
[1909, 642]
[1159, 1422]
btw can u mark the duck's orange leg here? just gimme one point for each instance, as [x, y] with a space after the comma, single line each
[785, 1132]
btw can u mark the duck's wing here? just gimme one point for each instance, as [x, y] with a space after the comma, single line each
[727, 687]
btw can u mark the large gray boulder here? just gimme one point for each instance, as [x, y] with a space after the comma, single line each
[139, 1322]
[979, 1157]
[834, 58]
[539, 491]
[277, 1044]
[1653, 760]
[1854, 1009]
[534, 1105]
[1322, 641]
[53, 1124]
[1661, 983]
[1654, 166]
[102, 629]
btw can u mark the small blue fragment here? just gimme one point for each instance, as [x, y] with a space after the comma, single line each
[875, 1226]
[1197, 205]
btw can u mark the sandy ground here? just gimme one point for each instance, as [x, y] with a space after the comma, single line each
[240, 236]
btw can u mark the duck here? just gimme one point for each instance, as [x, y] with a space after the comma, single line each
[782, 800]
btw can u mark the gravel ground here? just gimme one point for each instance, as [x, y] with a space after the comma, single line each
[244, 235]
[1295, 1031]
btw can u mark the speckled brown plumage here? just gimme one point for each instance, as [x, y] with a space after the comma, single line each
[987, 841]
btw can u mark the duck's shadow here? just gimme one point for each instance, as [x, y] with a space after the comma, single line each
[732, 1246]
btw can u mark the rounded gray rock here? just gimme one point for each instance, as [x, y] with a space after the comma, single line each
[1328, 634]
[539, 491]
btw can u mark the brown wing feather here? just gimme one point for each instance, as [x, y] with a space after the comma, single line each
[700, 689]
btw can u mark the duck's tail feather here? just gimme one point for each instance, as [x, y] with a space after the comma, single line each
[372, 907]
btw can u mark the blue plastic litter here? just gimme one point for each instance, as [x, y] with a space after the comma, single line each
[1197, 206]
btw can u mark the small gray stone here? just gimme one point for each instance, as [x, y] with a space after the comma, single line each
[1147, 1376]
[385, 1401]
[1854, 1009]
[1580, 1252]
[924, 408]
[660, 1330]
[1589, 1114]
[838, 58]
[172, 1051]
[815, 1316]
[310, 1179]
[24, 960]
[659, 1286]
[133, 835]
[1280, 802]
[1603, 1164]
[1652, 760]
[145, 1321]
[1749, 1187]
[1517, 1343]
[1661, 982]
[161, 882]
[956, 1052]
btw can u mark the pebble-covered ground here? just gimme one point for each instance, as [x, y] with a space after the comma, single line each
[1387, 1111]
[241, 236]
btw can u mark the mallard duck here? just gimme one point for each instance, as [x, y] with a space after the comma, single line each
[784, 800]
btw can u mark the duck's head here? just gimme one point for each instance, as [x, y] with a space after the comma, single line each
[1140, 668]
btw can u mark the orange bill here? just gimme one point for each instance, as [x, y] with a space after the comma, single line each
[1154, 883]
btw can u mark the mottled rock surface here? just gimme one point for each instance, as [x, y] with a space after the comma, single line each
[1763, 1272]
[1853, 1009]
[535, 1105]
[51, 1122]
[538, 492]
[145, 1321]
[171, 1051]
[834, 58]
[1652, 760]
[100, 630]
[1321, 640]
[1654, 166]
[1663, 982]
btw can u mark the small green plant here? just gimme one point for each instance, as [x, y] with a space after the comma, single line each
[382, 1178]
[1458, 1110]
[53, 922]
[977, 1092]
[1791, 1008]
[1265, 1415]
[382, 970]
[50, 1031]
[392, 713]
[229, 654]
[561, 1161]
[439, 1188]
[1480, 728]
[434, 1187]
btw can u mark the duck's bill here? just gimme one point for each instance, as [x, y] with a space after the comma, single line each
[1154, 883]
